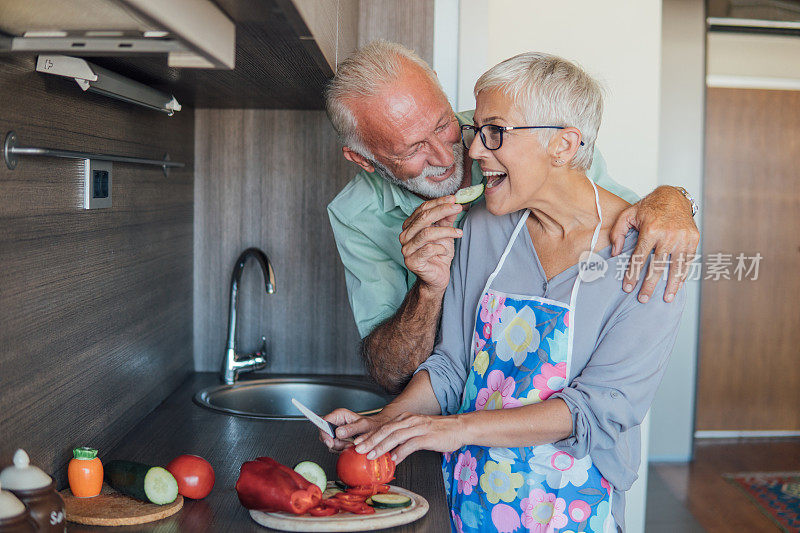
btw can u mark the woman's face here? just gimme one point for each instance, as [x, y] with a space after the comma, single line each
[516, 171]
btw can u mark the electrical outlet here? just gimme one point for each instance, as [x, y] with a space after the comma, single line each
[97, 184]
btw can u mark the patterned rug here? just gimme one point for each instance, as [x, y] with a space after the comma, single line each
[776, 494]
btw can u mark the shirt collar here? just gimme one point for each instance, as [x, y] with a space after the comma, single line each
[395, 196]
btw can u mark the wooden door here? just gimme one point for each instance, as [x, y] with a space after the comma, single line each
[749, 368]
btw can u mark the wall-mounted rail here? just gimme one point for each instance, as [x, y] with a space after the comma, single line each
[11, 152]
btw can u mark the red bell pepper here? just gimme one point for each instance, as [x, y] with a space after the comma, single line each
[267, 485]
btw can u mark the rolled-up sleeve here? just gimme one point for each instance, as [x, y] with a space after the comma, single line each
[615, 389]
[376, 284]
[447, 365]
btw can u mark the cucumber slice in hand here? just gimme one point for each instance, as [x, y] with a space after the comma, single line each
[469, 194]
[313, 473]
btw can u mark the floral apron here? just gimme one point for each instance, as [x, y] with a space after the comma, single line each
[521, 353]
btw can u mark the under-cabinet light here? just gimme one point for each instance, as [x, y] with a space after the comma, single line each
[96, 79]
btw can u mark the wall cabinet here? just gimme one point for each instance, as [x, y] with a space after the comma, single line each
[285, 52]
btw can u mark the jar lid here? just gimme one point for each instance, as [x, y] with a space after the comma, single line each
[23, 475]
[10, 505]
[84, 453]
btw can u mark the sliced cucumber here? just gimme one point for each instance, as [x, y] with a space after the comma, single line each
[469, 194]
[313, 473]
[390, 501]
[160, 486]
[145, 482]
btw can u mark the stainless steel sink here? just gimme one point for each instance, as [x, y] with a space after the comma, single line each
[272, 398]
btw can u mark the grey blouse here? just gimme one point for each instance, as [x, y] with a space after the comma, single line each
[620, 351]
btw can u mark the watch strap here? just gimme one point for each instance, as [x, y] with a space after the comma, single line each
[692, 201]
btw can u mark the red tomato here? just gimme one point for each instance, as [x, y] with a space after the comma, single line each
[194, 475]
[322, 510]
[357, 508]
[363, 492]
[350, 497]
[331, 502]
[367, 491]
[355, 470]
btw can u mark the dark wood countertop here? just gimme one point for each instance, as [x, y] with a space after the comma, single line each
[180, 426]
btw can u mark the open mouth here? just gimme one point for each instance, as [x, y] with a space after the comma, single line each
[493, 179]
[446, 173]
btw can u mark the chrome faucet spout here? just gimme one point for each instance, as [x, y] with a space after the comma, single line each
[233, 363]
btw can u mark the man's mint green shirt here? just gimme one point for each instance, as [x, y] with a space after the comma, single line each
[367, 217]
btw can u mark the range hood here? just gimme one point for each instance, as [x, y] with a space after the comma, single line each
[193, 33]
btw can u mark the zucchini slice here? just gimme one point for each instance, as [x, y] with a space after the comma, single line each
[469, 194]
[390, 501]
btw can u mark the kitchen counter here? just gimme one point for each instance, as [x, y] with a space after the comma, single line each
[180, 426]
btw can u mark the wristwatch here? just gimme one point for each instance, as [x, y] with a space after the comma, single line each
[695, 205]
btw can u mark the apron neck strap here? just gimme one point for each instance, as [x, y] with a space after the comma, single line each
[521, 224]
[574, 295]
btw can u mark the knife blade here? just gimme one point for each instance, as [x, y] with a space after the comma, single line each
[317, 420]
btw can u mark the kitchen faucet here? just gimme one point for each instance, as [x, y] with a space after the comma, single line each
[234, 363]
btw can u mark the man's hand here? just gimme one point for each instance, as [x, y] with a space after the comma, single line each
[665, 224]
[427, 241]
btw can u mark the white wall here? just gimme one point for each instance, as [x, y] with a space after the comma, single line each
[445, 46]
[681, 163]
[619, 42]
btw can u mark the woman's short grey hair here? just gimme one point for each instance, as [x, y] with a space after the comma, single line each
[364, 74]
[550, 91]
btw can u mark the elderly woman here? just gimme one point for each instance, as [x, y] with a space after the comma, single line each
[545, 367]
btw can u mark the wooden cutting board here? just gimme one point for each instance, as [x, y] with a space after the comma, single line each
[347, 521]
[112, 508]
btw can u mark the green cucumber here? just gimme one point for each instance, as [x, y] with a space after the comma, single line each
[313, 473]
[469, 194]
[143, 482]
[390, 501]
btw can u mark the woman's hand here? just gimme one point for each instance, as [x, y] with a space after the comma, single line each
[350, 424]
[407, 433]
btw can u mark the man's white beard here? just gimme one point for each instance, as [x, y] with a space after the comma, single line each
[421, 185]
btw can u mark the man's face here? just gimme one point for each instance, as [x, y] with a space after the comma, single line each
[414, 135]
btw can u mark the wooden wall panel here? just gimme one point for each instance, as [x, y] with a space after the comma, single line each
[409, 22]
[263, 179]
[95, 306]
[749, 337]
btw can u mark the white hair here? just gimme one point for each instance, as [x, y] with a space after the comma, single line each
[364, 74]
[550, 91]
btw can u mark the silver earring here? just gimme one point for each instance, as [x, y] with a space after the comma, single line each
[559, 161]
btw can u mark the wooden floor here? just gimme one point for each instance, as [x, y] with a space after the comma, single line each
[698, 487]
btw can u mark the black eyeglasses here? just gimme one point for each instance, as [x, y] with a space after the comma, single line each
[492, 135]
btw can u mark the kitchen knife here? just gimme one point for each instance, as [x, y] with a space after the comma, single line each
[324, 425]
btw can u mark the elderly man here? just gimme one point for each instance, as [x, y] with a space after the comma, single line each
[396, 221]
